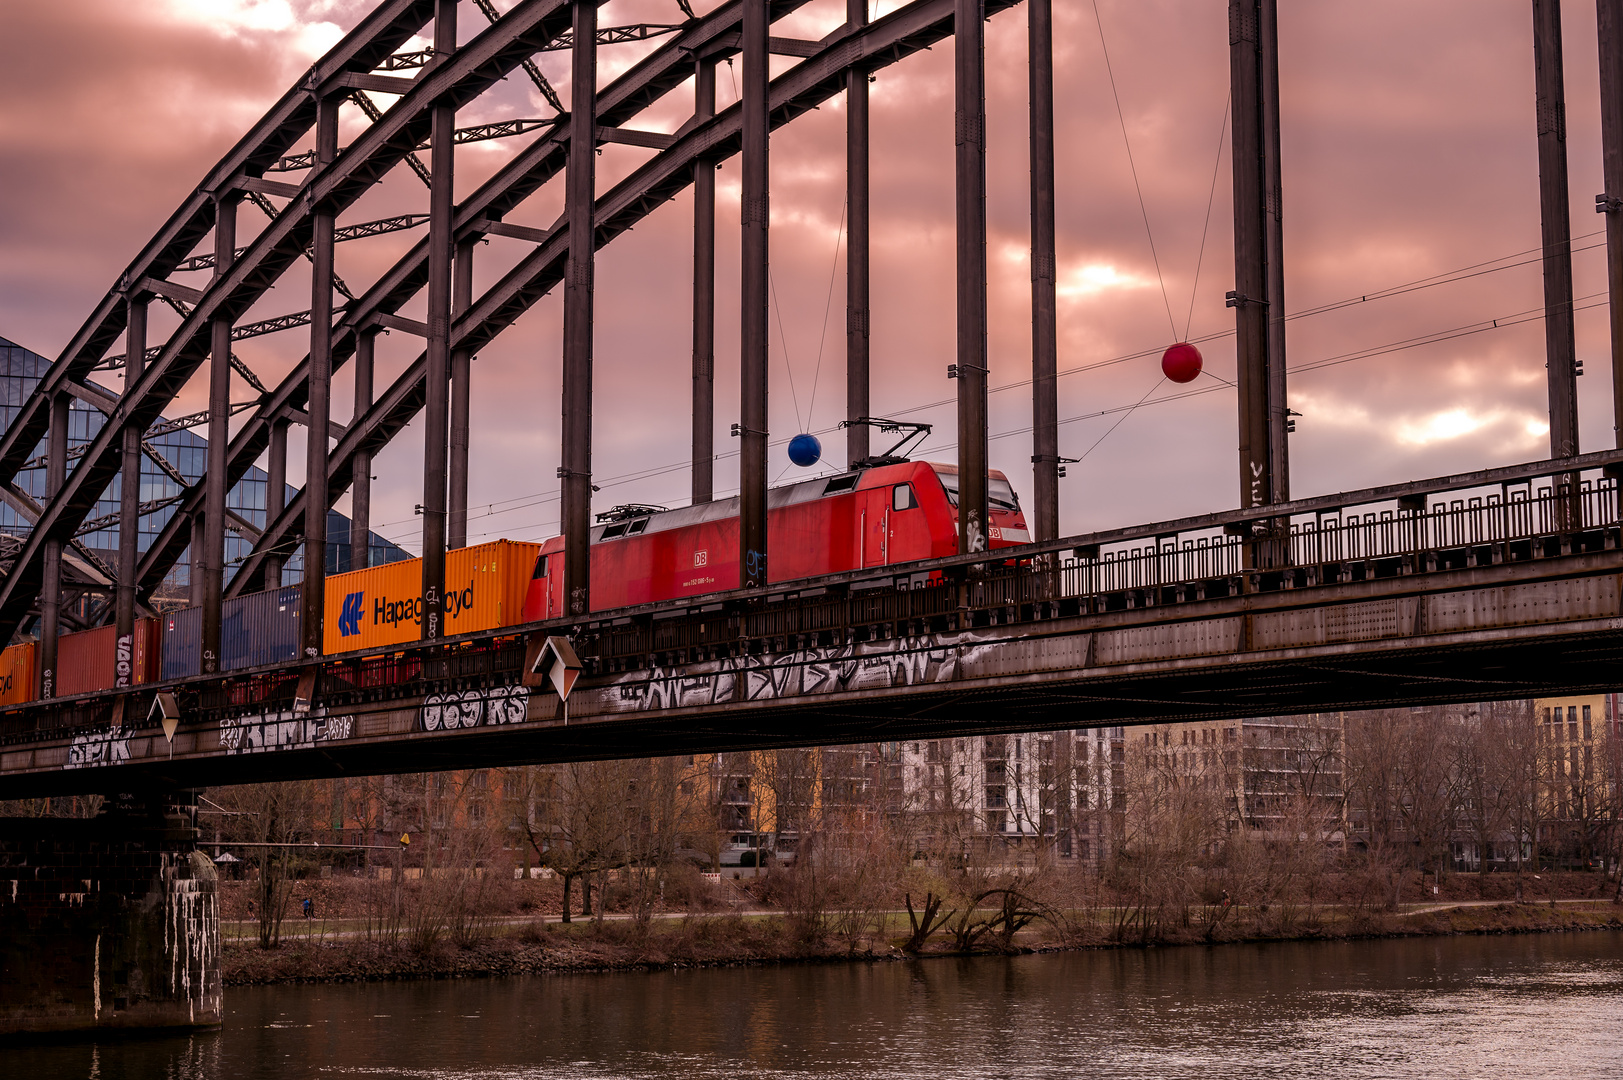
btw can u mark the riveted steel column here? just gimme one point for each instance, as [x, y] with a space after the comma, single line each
[1273, 216]
[1250, 296]
[1609, 19]
[276, 497]
[129, 496]
[858, 379]
[50, 596]
[456, 529]
[436, 408]
[704, 296]
[580, 194]
[360, 483]
[194, 582]
[1044, 303]
[752, 375]
[1560, 348]
[969, 44]
[313, 593]
[219, 449]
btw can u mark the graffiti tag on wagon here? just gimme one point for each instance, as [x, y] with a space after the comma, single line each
[99, 748]
[912, 661]
[282, 731]
[474, 708]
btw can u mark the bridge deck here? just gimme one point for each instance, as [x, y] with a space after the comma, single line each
[1330, 605]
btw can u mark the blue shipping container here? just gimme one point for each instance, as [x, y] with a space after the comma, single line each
[182, 643]
[256, 630]
[260, 629]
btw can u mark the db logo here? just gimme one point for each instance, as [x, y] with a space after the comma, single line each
[701, 558]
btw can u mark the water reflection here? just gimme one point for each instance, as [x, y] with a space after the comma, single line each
[1538, 1006]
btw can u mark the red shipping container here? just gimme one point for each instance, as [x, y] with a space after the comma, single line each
[87, 661]
[84, 661]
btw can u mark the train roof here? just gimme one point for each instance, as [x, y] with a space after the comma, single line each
[784, 495]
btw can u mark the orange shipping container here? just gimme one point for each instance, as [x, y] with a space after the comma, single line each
[484, 589]
[17, 674]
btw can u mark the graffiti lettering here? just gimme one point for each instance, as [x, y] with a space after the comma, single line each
[101, 748]
[281, 731]
[475, 708]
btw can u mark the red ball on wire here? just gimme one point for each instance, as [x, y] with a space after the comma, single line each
[1181, 363]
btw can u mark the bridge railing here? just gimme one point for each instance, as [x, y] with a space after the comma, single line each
[1527, 513]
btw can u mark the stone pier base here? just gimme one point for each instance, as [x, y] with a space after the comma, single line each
[107, 923]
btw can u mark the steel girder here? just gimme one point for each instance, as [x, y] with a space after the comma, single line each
[374, 40]
[538, 162]
[459, 79]
[799, 90]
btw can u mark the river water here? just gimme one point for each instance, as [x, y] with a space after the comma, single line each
[1542, 1005]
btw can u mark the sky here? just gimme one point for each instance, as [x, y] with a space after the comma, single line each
[1409, 152]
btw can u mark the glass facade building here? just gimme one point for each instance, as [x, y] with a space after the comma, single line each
[184, 456]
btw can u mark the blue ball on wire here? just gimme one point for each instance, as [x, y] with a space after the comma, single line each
[805, 450]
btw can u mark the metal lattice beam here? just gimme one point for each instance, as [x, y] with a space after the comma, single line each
[794, 93]
[644, 84]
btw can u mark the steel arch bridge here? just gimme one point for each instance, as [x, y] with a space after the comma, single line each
[427, 88]
[302, 225]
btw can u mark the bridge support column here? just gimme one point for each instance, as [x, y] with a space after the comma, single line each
[969, 86]
[194, 583]
[580, 193]
[1560, 359]
[129, 497]
[704, 296]
[858, 379]
[216, 482]
[755, 222]
[456, 528]
[436, 409]
[1258, 297]
[313, 592]
[108, 923]
[1609, 19]
[360, 483]
[50, 595]
[1044, 304]
[275, 496]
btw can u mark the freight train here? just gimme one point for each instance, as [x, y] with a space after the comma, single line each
[877, 516]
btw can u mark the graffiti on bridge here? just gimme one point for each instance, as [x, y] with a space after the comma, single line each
[475, 708]
[282, 730]
[909, 661]
[98, 748]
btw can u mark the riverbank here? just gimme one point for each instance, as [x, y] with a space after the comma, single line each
[730, 940]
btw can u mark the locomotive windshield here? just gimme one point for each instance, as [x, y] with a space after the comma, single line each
[999, 492]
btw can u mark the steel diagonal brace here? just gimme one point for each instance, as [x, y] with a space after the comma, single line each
[464, 76]
[390, 25]
[642, 85]
[645, 83]
[799, 90]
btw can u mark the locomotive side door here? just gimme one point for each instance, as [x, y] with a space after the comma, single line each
[873, 525]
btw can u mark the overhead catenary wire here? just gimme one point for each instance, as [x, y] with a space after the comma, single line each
[1464, 273]
[1211, 199]
[1133, 167]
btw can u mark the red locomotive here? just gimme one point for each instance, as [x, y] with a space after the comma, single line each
[867, 517]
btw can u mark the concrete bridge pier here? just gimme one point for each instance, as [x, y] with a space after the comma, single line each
[108, 923]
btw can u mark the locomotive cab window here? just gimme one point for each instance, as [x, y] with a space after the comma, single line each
[637, 526]
[901, 497]
[540, 567]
